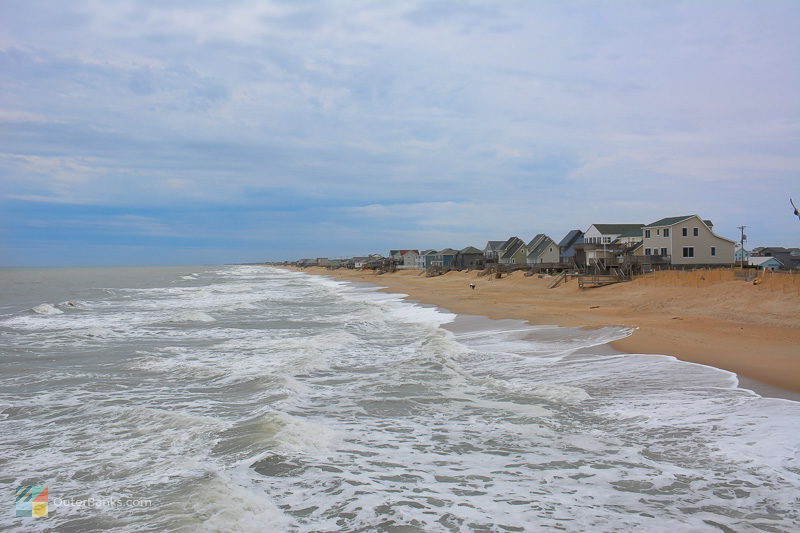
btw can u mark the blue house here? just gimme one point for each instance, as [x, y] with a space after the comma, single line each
[566, 247]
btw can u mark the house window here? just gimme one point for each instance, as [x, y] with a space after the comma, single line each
[647, 234]
[696, 231]
[647, 251]
[685, 232]
[663, 251]
[658, 232]
[606, 239]
[688, 251]
[713, 251]
[666, 232]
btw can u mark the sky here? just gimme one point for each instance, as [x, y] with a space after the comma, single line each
[210, 131]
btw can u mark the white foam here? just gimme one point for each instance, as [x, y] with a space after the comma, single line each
[46, 309]
[192, 316]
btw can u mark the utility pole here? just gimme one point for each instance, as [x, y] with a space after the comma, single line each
[742, 243]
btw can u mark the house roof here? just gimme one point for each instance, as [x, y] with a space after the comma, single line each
[404, 252]
[447, 251]
[631, 233]
[616, 229]
[535, 241]
[671, 221]
[570, 238]
[512, 246]
[494, 246]
[541, 245]
[428, 252]
[471, 250]
[758, 261]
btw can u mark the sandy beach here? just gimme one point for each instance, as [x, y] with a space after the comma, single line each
[752, 330]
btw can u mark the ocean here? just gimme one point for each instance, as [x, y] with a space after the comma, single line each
[248, 398]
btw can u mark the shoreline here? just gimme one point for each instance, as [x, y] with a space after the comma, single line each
[730, 325]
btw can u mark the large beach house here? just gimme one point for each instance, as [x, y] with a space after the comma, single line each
[687, 240]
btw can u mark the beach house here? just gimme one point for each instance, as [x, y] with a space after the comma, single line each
[687, 240]
[542, 250]
[492, 250]
[444, 258]
[599, 242]
[426, 258]
[513, 252]
[568, 254]
[470, 258]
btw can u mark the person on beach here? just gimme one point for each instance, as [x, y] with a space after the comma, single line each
[472, 286]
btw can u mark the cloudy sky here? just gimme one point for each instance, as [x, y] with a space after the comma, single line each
[203, 131]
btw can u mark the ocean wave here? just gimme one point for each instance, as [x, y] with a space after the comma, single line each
[192, 316]
[46, 309]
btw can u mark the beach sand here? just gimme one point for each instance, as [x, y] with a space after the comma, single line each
[734, 325]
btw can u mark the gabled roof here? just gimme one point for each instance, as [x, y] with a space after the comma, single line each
[447, 251]
[428, 252]
[512, 246]
[671, 221]
[541, 245]
[570, 238]
[616, 229]
[494, 246]
[536, 240]
[471, 250]
[404, 252]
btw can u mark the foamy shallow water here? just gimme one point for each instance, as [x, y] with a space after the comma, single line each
[249, 399]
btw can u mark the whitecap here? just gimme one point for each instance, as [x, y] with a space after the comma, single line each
[192, 316]
[46, 309]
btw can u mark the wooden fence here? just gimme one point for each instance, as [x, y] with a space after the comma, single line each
[785, 282]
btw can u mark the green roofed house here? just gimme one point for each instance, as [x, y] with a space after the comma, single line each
[599, 242]
[687, 240]
[608, 233]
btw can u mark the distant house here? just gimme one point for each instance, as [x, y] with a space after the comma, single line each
[427, 257]
[765, 263]
[514, 252]
[409, 258]
[789, 257]
[398, 256]
[470, 258]
[323, 261]
[568, 254]
[493, 250]
[444, 258]
[359, 262]
[741, 254]
[542, 249]
[687, 240]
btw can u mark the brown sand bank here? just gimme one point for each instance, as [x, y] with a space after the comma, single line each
[752, 330]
